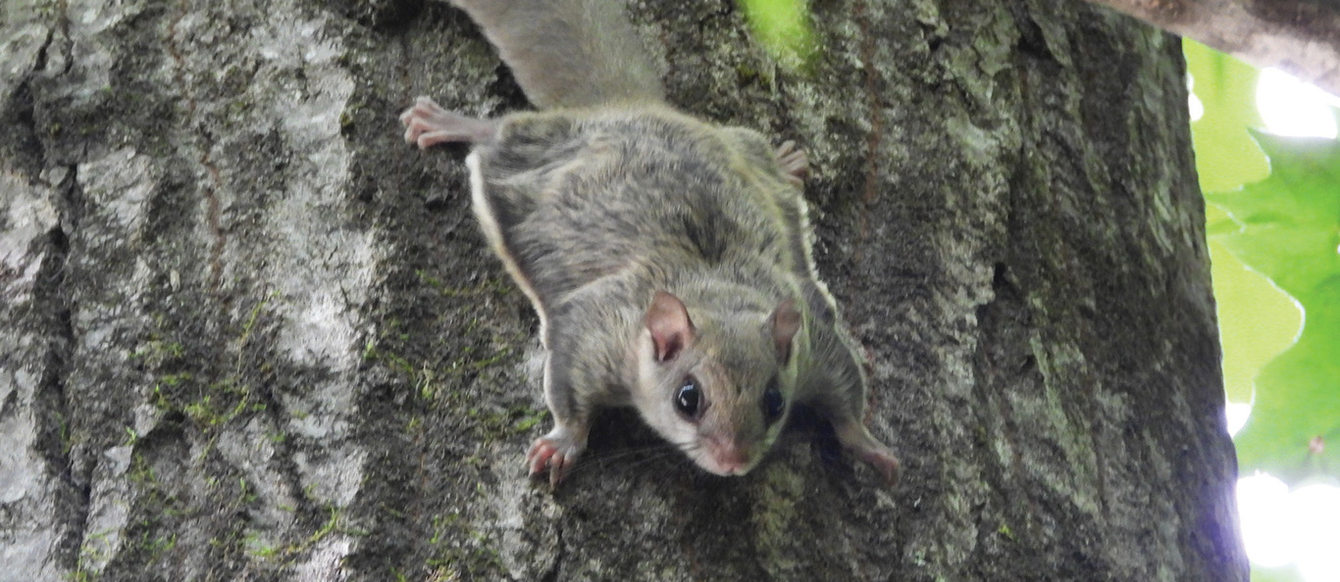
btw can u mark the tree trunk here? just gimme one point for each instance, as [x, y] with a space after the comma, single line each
[248, 333]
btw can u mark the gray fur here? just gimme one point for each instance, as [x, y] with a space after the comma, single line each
[594, 209]
[542, 39]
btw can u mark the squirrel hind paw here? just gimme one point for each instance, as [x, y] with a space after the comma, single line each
[428, 124]
[793, 162]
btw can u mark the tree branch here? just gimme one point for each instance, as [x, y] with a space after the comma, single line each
[1301, 37]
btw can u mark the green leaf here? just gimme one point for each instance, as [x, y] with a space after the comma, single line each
[1291, 234]
[1256, 320]
[1281, 574]
[1226, 158]
[783, 28]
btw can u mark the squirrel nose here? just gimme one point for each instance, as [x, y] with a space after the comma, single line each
[731, 457]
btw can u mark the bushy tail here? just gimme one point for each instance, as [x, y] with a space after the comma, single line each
[569, 53]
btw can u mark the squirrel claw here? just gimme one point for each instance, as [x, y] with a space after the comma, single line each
[428, 124]
[793, 162]
[556, 453]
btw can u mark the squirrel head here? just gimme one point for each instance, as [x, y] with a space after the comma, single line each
[719, 388]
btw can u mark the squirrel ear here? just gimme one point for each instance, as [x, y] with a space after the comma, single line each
[668, 321]
[785, 322]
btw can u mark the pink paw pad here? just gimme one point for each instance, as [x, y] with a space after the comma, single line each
[884, 463]
[545, 453]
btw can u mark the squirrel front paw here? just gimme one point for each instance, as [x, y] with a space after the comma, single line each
[859, 441]
[557, 450]
[882, 461]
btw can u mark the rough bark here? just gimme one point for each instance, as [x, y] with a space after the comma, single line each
[1302, 37]
[247, 333]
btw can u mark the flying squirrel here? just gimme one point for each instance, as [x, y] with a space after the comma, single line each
[668, 258]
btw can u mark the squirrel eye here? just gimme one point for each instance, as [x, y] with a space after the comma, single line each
[773, 404]
[688, 398]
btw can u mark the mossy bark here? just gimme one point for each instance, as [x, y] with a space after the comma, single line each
[248, 333]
